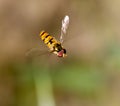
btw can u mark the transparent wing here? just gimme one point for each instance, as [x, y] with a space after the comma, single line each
[35, 52]
[65, 24]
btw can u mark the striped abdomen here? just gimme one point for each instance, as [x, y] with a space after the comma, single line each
[51, 42]
[54, 45]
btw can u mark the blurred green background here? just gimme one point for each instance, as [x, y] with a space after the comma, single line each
[88, 76]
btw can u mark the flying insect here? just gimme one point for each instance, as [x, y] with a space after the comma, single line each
[54, 45]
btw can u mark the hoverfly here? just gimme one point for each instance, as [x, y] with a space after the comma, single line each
[54, 45]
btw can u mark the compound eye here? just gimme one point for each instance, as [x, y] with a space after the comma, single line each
[60, 54]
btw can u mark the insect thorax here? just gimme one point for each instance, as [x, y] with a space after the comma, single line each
[58, 47]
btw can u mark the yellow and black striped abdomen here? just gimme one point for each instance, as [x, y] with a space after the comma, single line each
[49, 40]
[54, 45]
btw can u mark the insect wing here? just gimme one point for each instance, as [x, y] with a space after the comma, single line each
[65, 24]
[35, 52]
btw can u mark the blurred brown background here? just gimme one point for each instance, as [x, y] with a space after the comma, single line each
[88, 76]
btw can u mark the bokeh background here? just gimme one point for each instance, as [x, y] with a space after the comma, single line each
[88, 76]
